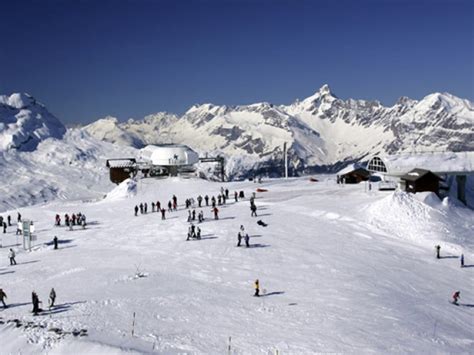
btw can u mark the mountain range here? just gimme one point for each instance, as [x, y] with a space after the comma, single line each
[40, 158]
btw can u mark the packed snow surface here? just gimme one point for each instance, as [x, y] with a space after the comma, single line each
[341, 270]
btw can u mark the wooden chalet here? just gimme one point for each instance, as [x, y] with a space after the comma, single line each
[419, 180]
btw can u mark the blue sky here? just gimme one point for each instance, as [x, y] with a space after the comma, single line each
[86, 59]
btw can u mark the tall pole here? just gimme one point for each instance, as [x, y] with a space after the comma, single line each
[285, 155]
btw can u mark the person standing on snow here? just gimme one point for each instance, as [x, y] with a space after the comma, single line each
[456, 296]
[52, 298]
[163, 211]
[9, 220]
[35, 300]
[216, 213]
[438, 248]
[236, 196]
[18, 217]
[170, 206]
[257, 288]
[462, 260]
[199, 200]
[247, 240]
[11, 255]
[206, 198]
[4, 227]
[239, 239]
[2, 296]
[55, 242]
[198, 233]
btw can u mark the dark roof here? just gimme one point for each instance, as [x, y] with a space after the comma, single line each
[417, 174]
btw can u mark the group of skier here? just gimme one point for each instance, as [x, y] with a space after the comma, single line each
[457, 294]
[34, 300]
[157, 207]
[75, 219]
[7, 222]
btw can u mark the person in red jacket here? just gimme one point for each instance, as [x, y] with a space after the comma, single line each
[456, 296]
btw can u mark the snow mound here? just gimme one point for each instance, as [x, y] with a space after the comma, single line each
[126, 189]
[422, 218]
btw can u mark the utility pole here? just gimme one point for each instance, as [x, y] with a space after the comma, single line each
[285, 157]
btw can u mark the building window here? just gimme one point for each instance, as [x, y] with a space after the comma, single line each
[376, 165]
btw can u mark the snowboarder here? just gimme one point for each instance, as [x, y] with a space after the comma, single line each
[206, 198]
[52, 298]
[11, 255]
[35, 300]
[55, 242]
[438, 247]
[2, 296]
[257, 288]
[216, 213]
[239, 239]
[456, 296]
[247, 240]
[163, 211]
[462, 260]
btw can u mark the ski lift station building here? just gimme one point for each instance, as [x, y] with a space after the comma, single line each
[170, 158]
[449, 165]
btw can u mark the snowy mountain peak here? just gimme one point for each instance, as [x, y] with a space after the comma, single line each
[19, 100]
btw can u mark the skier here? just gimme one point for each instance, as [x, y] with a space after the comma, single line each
[189, 216]
[239, 239]
[11, 255]
[55, 242]
[219, 200]
[141, 208]
[201, 216]
[236, 196]
[253, 208]
[216, 213]
[4, 227]
[213, 202]
[9, 219]
[193, 231]
[199, 199]
[247, 239]
[153, 207]
[226, 193]
[52, 298]
[158, 206]
[456, 296]
[438, 247]
[257, 288]
[73, 219]
[58, 220]
[18, 217]
[198, 233]
[66, 219]
[145, 207]
[35, 300]
[206, 198]
[242, 229]
[462, 260]
[170, 206]
[163, 211]
[175, 202]
[193, 215]
[2, 296]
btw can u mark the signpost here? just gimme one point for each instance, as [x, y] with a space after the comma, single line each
[27, 229]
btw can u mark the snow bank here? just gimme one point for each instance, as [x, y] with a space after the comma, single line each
[423, 218]
[126, 189]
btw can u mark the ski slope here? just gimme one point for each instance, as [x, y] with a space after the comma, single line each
[342, 269]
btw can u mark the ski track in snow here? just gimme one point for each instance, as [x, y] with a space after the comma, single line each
[342, 270]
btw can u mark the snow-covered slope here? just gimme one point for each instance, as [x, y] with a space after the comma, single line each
[24, 123]
[69, 168]
[353, 273]
[322, 131]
